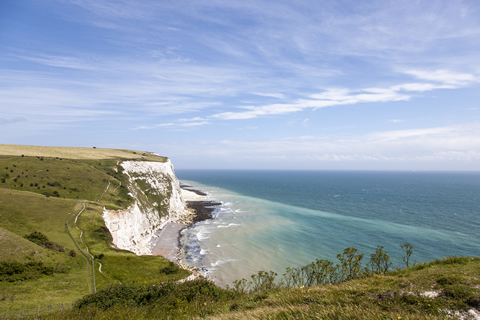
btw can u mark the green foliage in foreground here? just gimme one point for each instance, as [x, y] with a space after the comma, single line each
[434, 290]
[320, 272]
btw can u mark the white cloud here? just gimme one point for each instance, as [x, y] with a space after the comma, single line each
[444, 76]
[272, 95]
[343, 96]
[171, 124]
[460, 143]
[61, 61]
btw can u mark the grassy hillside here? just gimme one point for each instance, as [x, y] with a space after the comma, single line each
[77, 153]
[40, 190]
[442, 289]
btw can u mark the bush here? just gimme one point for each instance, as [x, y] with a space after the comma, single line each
[170, 269]
[103, 233]
[121, 294]
[36, 237]
[167, 295]
[42, 240]
[12, 271]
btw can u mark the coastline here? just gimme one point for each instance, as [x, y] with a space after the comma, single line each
[166, 241]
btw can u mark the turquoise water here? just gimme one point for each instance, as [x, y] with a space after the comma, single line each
[270, 220]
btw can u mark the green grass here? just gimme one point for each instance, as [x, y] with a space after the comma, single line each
[65, 178]
[398, 294]
[40, 193]
[118, 266]
[25, 212]
[19, 249]
[78, 153]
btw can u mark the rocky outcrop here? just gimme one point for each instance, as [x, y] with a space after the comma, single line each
[157, 201]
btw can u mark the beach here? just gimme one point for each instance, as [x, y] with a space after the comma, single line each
[166, 241]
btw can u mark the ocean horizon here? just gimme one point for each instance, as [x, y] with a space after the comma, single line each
[274, 219]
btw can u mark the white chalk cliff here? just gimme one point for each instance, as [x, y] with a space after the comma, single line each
[157, 201]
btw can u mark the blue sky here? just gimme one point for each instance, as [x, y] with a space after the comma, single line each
[250, 84]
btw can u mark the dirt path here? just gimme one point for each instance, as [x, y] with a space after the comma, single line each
[106, 189]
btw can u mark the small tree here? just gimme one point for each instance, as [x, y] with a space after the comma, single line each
[350, 263]
[407, 250]
[379, 261]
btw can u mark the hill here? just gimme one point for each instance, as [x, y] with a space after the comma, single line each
[442, 289]
[77, 153]
[59, 195]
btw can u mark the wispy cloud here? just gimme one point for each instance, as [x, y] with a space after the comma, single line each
[171, 124]
[11, 120]
[195, 66]
[439, 144]
[342, 96]
[60, 61]
[445, 77]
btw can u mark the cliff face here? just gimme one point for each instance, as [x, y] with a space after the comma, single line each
[157, 201]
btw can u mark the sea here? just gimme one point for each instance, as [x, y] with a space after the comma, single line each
[271, 220]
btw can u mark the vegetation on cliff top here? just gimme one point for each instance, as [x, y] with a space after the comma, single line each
[441, 289]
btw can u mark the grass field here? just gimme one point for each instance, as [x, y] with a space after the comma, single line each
[40, 190]
[77, 153]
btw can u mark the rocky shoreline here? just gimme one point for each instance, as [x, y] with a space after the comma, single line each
[202, 210]
[164, 243]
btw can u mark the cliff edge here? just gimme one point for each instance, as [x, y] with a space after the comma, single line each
[157, 200]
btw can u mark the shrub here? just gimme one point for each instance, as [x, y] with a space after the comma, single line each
[171, 268]
[12, 271]
[103, 233]
[350, 263]
[42, 240]
[263, 281]
[36, 237]
[408, 251]
[379, 261]
[167, 295]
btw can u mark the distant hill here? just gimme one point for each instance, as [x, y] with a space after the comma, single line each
[77, 153]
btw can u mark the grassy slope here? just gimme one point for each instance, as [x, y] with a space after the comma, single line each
[397, 295]
[77, 153]
[44, 194]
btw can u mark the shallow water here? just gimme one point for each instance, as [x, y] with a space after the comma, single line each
[270, 220]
